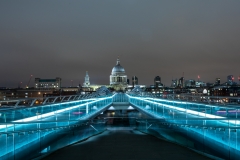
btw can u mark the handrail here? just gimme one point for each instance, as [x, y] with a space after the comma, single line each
[16, 106]
[32, 98]
[218, 100]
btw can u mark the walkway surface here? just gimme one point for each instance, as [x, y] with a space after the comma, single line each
[125, 144]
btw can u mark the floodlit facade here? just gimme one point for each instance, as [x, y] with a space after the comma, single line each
[87, 81]
[48, 83]
[118, 77]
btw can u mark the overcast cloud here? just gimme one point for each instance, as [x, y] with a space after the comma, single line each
[67, 38]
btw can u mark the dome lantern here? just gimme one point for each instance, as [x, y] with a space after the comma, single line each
[118, 69]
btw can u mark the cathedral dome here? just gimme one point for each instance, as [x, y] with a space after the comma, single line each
[118, 68]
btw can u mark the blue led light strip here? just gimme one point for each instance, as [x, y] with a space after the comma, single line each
[45, 115]
[188, 111]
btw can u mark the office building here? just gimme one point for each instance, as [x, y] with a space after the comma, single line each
[157, 81]
[48, 83]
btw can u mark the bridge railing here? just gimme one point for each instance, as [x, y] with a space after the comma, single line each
[196, 98]
[38, 101]
[33, 139]
[206, 136]
[216, 126]
[55, 126]
[170, 108]
[70, 110]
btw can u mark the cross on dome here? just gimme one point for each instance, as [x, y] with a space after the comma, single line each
[118, 61]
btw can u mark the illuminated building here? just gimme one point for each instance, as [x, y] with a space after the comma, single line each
[190, 83]
[118, 78]
[86, 82]
[174, 83]
[48, 83]
[200, 84]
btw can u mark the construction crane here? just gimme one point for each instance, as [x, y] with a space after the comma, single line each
[27, 86]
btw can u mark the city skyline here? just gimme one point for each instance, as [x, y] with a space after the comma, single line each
[75, 83]
[119, 79]
[66, 39]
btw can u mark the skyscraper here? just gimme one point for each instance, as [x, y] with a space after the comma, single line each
[157, 81]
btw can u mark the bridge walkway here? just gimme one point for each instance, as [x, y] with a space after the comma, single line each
[125, 144]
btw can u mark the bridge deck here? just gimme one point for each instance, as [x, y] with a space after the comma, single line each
[124, 145]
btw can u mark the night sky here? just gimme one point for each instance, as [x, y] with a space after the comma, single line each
[67, 38]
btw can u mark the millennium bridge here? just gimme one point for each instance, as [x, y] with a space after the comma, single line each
[31, 130]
